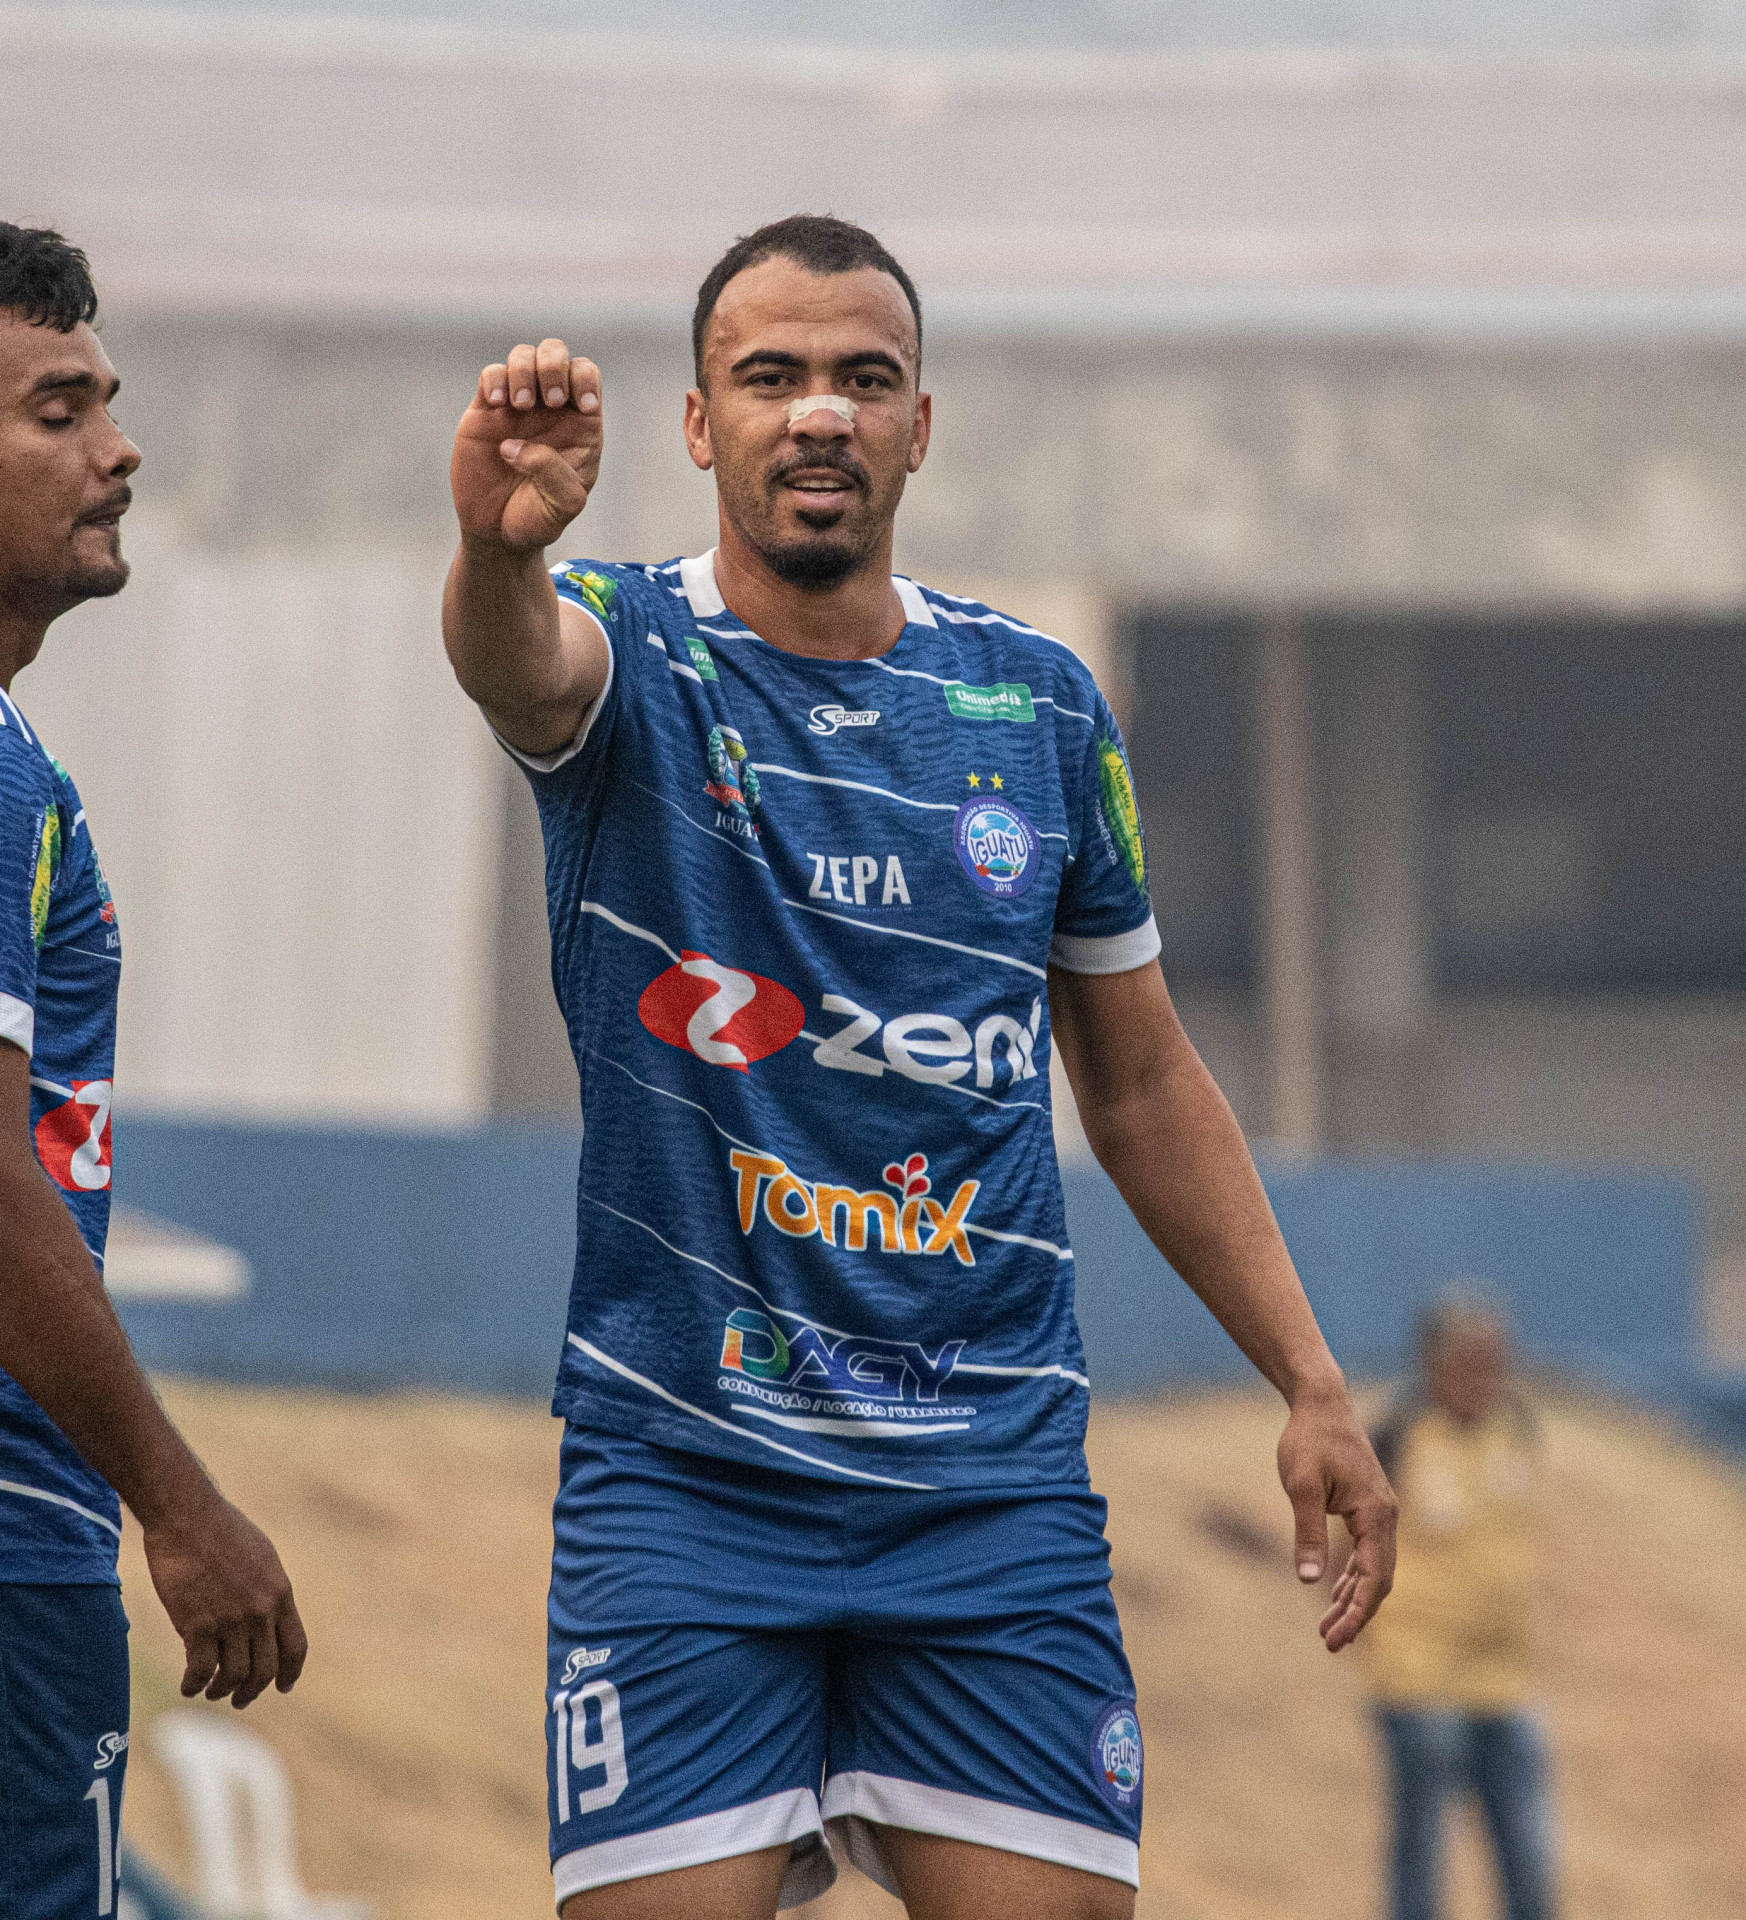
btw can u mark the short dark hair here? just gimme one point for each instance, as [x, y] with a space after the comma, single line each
[817, 241]
[44, 278]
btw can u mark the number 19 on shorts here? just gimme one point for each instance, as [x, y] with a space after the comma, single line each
[588, 1750]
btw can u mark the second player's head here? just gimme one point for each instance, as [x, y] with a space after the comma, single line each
[64, 464]
[809, 307]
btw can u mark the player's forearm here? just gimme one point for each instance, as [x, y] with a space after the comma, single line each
[502, 633]
[60, 1340]
[1172, 1146]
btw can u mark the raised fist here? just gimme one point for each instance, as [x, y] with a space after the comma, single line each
[527, 451]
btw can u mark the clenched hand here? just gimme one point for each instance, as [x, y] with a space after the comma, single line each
[527, 451]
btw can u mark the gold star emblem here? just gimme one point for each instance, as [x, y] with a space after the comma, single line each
[975, 780]
[997, 783]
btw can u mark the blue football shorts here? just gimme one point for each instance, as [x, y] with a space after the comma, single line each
[63, 1750]
[741, 1658]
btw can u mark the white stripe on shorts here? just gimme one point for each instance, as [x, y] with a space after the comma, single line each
[852, 1800]
[791, 1815]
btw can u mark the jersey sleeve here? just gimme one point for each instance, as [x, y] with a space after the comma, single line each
[1103, 920]
[30, 862]
[601, 596]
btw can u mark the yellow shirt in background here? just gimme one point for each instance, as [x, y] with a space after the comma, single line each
[1454, 1632]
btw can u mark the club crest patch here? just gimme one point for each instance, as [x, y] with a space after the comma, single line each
[1118, 1758]
[997, 846]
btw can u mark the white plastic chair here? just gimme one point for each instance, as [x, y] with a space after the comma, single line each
[231, 1780]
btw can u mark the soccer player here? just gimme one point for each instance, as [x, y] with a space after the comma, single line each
[79, 1424]
[833, 861]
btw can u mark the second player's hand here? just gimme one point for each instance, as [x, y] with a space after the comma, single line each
[527, 451]
[1326, 1465]
[227, 1595]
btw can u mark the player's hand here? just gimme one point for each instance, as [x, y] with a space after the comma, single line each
[227, 1596]
[527, 451]
[1327, 1466]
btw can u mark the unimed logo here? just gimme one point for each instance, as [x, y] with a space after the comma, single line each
[723, 1015]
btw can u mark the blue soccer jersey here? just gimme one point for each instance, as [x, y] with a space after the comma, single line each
[60, 965]
[802, 913]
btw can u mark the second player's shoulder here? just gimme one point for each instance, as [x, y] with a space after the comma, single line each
[29, 776]
[1008, 667]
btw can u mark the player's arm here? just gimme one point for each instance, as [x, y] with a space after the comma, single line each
[526, 456]
[215, 1571]
[1167, 1137]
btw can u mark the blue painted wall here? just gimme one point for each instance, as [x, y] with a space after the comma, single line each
[443, 1259]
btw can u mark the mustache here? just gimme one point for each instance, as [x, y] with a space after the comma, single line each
[117, 502]
[836, 459]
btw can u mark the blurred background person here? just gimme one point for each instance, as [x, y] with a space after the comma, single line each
[1451, 1663]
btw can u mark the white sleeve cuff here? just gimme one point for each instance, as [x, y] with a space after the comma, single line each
[551, 762]
[1110, 953]
[17, 1021]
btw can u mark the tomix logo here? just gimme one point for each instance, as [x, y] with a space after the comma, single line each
[909, 1220]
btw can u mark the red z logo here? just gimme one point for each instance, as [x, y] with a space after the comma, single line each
[72, 1140]
[723, 1016]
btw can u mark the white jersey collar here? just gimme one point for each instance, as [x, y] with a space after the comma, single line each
[697, 579]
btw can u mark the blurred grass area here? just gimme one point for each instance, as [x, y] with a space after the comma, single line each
[417, 1531]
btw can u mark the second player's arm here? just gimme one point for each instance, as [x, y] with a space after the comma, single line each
[215, 1571]
[1166, 1136]
[526, 455]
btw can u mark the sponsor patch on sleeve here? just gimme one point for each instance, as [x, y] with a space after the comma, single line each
[1121, 813]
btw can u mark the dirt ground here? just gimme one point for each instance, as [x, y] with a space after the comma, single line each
[416, 1529]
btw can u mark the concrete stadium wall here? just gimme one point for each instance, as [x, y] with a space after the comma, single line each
[443, 1259]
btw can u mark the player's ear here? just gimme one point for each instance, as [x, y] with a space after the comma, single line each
[922, 430]
[697, 441]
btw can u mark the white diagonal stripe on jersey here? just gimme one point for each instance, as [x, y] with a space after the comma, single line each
[1027, 1373]
[697, 1107]
[52, 1086]
[856, 1429]
[58, 1499]
[957, 680]
[951, 1086]
[697, 1260]
[727, 839]
[727, 1426]
[624, 926]
[1020, 1240]
[859, 786]
[928, 939]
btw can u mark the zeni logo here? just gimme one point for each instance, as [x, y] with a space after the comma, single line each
[722, 1015]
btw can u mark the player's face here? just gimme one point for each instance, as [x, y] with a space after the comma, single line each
[64, 468]
[815, 497]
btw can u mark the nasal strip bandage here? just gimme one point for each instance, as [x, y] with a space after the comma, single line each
[821, 403]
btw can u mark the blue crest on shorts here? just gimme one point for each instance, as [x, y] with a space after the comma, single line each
[1118, 1757]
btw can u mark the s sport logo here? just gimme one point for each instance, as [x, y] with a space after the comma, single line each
[72, 1140]
[908, 1221]
[580, 1660]
[110, 1748]
[828, 719]
[997, 846]
[721, 1014]
[1118, 1757]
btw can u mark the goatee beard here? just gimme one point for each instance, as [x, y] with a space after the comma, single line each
[814, 566]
